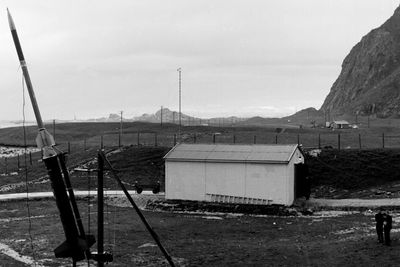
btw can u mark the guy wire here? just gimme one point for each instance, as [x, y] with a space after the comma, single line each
[26, 172]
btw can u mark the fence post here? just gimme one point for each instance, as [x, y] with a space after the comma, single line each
[319, 141]
[138, 138]
[174, 139]
[359, 140]
[54, 130]
[234, 139]
[338, 136]
[383, 140]
[30, 157]
[18, 162]
[155, 139]
[213, 138]
[276, 139]
[119, 138]
[255, 139]
[194, 138]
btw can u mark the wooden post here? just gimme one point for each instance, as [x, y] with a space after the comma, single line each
[359, 140]
[119, 138]
[174, 139]
[255, 139]
[319, 141]
[100, 209]
[383, 140]
[338, 141]
[30, 157]
[155, 139]
[18, 162]
[138, 138]
[213, 138]
[234, 139]
[194, 138]
[54, 130]
[276, 139]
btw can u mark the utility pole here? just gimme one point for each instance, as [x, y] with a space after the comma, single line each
[180, 103]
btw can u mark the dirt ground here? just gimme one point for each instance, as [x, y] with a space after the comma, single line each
[327, 238]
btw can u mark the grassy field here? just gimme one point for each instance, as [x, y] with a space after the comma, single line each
[327, 238]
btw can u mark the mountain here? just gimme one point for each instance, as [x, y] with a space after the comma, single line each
[369, 82]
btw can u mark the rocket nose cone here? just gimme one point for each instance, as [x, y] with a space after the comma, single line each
[10, 21]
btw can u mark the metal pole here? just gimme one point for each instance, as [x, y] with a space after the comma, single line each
[180, 104]
[100, 208]
[138, 211]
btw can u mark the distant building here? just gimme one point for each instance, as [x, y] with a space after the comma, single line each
[257, 174]
[340, 125]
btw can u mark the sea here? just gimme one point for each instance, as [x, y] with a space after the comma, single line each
[8, 124]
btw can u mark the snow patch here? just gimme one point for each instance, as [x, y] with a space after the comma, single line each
[6, 250]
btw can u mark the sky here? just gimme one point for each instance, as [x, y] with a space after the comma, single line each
[266, 58]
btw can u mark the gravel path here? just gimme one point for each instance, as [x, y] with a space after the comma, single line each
[316, 202]
[78, 194]
[353, 202]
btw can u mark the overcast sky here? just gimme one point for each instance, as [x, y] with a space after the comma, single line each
[91, 58]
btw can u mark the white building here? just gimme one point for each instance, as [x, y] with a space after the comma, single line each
[257, 174]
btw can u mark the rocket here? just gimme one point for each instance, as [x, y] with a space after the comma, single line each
[44, 138]
[77, 244]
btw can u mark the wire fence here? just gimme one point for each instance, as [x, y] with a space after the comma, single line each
[14, 162]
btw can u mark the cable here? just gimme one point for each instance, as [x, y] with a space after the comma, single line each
[26, 172]
[88, 205]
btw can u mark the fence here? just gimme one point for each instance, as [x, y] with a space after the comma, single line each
[115, 140]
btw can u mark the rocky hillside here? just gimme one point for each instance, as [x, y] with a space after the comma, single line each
[369, 82]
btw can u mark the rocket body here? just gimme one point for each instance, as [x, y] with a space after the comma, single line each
[25, 72]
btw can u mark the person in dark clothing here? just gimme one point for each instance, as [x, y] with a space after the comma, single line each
[379, 225]
[387, 226]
